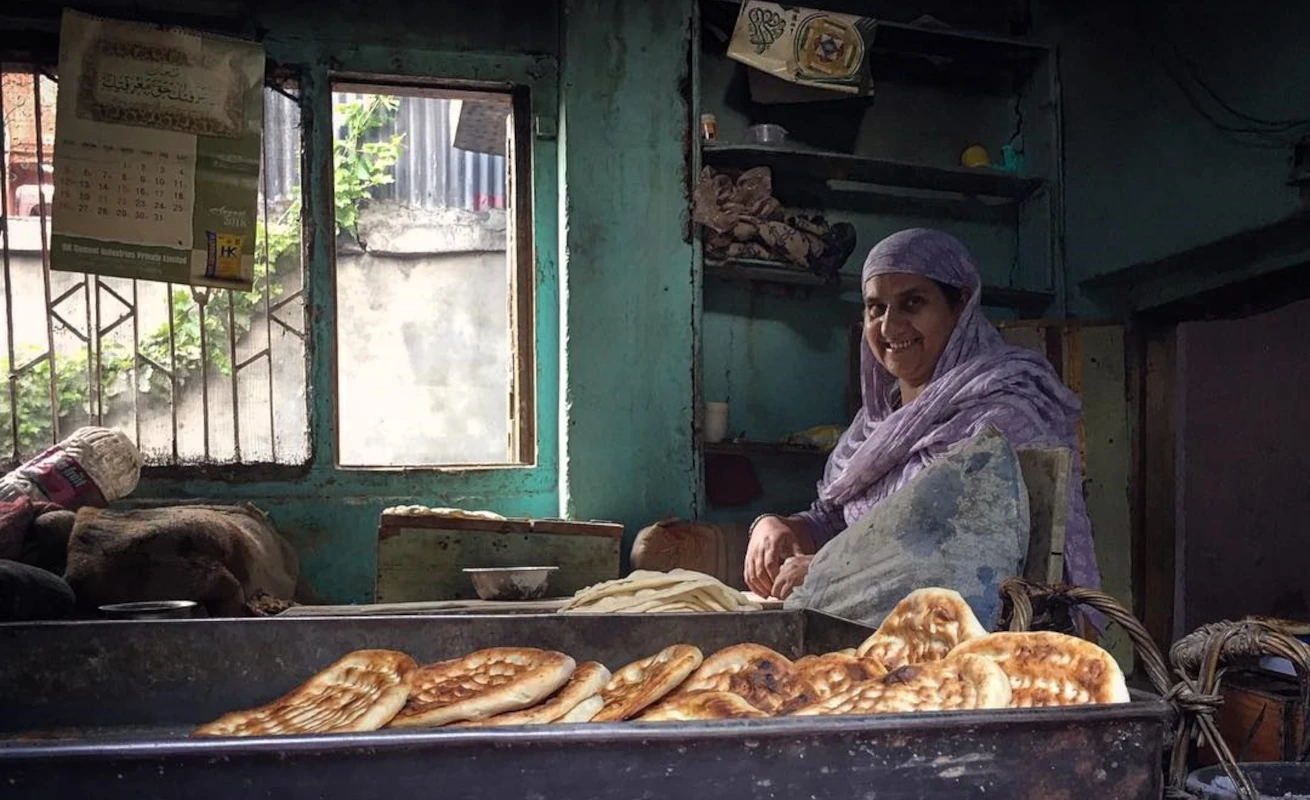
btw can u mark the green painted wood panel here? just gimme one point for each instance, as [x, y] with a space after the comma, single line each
[626, 431]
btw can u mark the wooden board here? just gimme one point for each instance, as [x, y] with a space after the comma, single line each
[420, 558]
[1091, 358]
[1046, 472]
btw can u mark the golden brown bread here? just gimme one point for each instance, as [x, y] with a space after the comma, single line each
[642, 683]
[481, 685]
[925, 626]
[834, 673]
[586, 682]
[762, 677]
[584, 711]
[360, 692]
[954, 684]
[1051, 669]
[704, 705]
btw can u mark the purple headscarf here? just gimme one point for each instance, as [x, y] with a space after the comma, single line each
[979, 380]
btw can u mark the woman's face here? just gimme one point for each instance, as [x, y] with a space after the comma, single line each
[907, 322]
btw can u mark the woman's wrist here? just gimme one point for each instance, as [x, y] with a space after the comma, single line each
[804, 535]
[751, 530]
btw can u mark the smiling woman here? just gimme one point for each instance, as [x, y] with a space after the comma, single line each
[908, 320]
[934, 372]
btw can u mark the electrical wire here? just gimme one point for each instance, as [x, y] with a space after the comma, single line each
[1195, 73]
[1254, 131]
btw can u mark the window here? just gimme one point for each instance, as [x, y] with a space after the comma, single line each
[194, 377]
[434, 278]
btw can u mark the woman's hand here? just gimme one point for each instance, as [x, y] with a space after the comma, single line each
[791, 575]
[773, 541]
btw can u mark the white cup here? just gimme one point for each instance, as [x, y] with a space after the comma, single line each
[716, 422]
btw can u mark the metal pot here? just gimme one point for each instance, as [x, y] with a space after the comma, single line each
[153, 609]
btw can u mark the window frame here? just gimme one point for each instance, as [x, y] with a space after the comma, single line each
[523, 283]
[286, 81]
[525, 487]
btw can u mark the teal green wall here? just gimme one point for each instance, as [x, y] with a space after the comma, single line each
[1146, 176]
[626, 418]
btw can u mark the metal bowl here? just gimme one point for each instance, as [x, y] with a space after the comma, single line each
[510, 583]
[766, 135]
[151, 609]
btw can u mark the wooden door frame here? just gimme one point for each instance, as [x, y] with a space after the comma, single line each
[1152, 396]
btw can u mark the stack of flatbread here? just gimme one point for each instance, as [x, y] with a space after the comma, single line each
[941, 659]
[929, 654]
[646, 591]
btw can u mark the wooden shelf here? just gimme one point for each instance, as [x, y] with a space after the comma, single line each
[748, 271]
[743, 447]
[902, 50]
[752, 271]
[960, 47]
[808, 166]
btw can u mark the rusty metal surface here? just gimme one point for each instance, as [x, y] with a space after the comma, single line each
[103, 709]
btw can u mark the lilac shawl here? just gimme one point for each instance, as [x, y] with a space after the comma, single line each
[980, 380]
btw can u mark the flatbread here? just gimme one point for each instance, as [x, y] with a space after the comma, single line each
[696, 706]
[836, 672]
[688, 600]
[647, 591]
[1052, 669]
[633, 582]
[954, 684]
[642, 683]
[762, 677]
[585, 682]
[923, 627]
[481, 685]
[583, 712]
[360, 692]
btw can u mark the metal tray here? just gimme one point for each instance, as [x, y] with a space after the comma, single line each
[103, 709]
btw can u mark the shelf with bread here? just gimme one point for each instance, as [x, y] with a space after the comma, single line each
[790, 166]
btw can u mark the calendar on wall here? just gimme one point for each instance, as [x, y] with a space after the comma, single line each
[158, 138]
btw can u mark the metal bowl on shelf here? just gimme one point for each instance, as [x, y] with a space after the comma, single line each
[152, 609]
[766, 135]
[510, 583]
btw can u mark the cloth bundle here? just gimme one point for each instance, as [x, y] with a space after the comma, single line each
[223, 557]
[746, 221]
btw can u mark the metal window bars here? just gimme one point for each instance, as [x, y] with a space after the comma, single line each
[97, 313]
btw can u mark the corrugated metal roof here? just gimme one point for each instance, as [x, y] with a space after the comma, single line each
[431, 172]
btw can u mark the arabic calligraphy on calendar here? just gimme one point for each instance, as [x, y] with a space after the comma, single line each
[157, 153]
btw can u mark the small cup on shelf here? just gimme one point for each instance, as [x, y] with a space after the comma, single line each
[715, 427]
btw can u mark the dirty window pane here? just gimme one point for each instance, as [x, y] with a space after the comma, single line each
[425, 365]
[87, 350]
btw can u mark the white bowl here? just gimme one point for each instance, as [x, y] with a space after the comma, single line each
[510, 583]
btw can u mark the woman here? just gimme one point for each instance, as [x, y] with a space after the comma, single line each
[934, 372]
